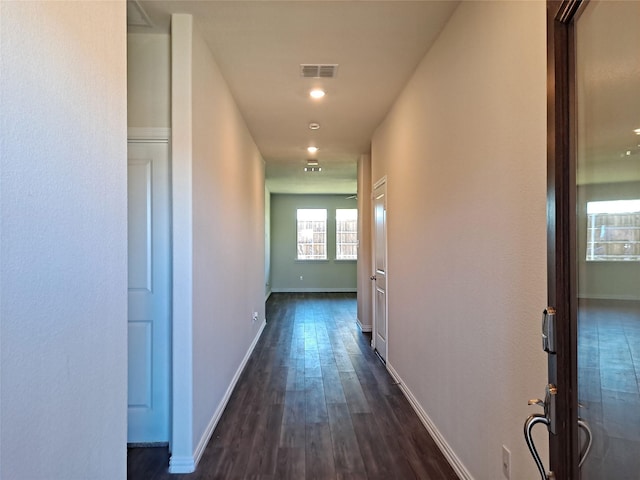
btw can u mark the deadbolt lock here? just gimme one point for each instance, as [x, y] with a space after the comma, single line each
[549, 330]
[548, 405]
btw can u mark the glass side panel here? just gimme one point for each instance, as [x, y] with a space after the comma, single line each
[608, 235]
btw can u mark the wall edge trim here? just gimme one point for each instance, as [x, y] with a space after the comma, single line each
[444, 447]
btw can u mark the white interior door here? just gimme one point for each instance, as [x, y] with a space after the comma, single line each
[380, 268]
[149, 292]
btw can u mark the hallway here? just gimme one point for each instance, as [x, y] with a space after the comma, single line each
[313, 402]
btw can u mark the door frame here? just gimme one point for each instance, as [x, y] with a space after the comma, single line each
[561, 231]
[381, 181]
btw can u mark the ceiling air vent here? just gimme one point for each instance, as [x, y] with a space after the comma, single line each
[318, 71]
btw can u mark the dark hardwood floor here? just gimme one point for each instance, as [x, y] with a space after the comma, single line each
[314, 402]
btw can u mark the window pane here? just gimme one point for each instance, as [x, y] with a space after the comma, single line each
[312, 234]
[613, 230]
[346, 234]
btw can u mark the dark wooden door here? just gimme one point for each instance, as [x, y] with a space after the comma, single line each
[562, 365]
[593, 199]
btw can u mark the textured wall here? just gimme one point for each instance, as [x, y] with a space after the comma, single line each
[219, 261]
[464, 149]
[228, 240]
[63, 249]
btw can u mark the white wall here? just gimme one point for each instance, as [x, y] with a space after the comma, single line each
[267, 243]
[464, 149]
[218, 182]
[63, 248]
[149, 80]
[365, 262]
[228, 249]
[182, 447]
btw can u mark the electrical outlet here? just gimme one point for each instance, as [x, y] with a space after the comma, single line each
[506, 462]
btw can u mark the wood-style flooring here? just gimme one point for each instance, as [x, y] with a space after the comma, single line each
[609, 387]
[314, 402]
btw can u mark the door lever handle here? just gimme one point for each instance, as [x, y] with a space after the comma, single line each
[533, 420]
[548, 419]
[540, 418]
[584, 452]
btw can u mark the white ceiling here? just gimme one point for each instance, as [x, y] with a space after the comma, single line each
[608, 104]
[259, 46]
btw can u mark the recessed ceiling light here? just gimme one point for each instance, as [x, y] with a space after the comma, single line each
[637, 131]
[317, 93]
[314, 126]
[312, 149]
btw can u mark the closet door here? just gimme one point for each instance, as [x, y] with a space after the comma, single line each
[149, 325]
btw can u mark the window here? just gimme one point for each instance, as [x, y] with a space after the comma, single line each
[346, 234]
[312, 234]
[613, 230]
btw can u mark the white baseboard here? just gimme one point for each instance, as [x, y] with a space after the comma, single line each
[363, 328]
[314, 290]
[445, 448]
[181, 464]
[189, 464]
